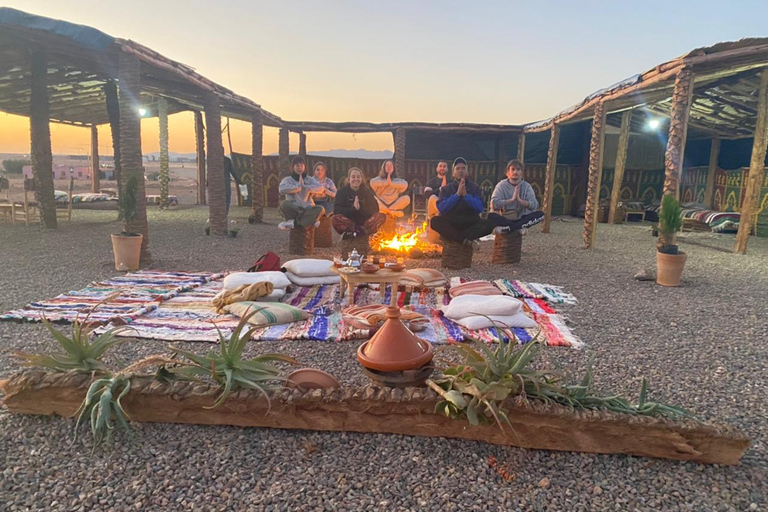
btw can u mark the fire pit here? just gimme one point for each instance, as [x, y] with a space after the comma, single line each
[409, 240]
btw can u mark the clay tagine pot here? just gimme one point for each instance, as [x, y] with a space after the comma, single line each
[394, 356]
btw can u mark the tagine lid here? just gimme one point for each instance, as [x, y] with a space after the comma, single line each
[394, 347]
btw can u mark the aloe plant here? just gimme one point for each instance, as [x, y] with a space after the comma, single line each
[80, 353]
[228, 367]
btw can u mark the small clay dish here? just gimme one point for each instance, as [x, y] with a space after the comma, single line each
[312, 378]
[397, 268]
[370, 269]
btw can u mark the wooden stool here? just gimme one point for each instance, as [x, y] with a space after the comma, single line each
[361, 243]
[389, 226]
[301, 241]
[323, 234]
[507, 248]
[456, 255]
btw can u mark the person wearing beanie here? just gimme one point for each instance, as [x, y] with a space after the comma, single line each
[459, 205]
[298, 208]
[513, 204]
[389, 190]
[325, 197]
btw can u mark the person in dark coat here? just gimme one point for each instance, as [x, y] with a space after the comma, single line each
[356, 210]
[460, 204]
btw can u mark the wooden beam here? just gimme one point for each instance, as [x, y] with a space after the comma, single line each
[399, 143]
[621, 163]
[678, 129]
[113, 112]
[217, 202]
[200, 149]
[596, 146]
[549, 180]
[131, 161]
[284, 152]
[409, 411]
[749, 202]
[521, 147]
[95, 167]
[257, 169]
[303, 146]
[714, 155]
[165, 177]
[40, 140]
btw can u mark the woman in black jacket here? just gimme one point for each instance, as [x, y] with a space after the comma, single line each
[356, 211]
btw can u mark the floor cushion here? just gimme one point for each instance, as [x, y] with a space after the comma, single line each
[269, 313]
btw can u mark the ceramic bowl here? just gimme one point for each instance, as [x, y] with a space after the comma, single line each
[312, 378]
[370, 269]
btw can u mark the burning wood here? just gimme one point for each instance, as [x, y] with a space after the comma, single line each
[409, 239]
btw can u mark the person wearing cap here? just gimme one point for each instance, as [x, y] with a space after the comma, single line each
[327, 195]
[298, 208]
[459, 204]
[434, 184]
[513, 203]
[389, 190]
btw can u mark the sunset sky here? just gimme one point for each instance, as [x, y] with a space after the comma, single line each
[448, 61]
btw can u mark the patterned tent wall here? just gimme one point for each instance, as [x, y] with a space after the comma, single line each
[638, 185]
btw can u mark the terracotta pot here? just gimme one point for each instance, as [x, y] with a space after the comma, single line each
[394, 347]
[127, 249]
[669, 268]
[312, 378]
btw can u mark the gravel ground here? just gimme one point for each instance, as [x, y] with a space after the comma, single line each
[703, 346]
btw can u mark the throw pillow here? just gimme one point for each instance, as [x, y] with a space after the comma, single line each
[473, 305]
[235, 279]
[269, 313]
[308, 267]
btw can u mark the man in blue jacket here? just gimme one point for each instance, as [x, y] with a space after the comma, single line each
[460, 204]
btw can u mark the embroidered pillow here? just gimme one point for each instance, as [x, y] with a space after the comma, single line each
[428, 277]
[474, 288]
[269, 313]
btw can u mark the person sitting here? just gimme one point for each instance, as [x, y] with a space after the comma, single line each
[460, 204]
[389, 190]
[327, 195]
[432, 190]
[298, 208]
[513, 202]
[356, 209]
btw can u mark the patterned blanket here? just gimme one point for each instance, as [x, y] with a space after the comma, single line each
[191, 317]
[118, 300]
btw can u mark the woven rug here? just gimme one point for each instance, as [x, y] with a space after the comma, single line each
[190, 317]
[118, 300]
[522, 290]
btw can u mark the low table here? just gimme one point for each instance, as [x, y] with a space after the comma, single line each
[382, 277]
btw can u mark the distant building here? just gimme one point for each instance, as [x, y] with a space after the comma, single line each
[63, 172]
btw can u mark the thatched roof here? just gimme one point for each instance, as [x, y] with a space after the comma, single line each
[725, 92]
[81, 60]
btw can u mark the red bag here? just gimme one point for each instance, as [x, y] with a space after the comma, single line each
[267, 262]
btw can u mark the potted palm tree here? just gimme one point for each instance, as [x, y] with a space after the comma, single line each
[127, 245]
[669, 259]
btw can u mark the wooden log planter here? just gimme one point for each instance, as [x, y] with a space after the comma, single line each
[408, 411]
[456, 256]
[323, 234]
[507, 248]
[301, 241]
[361, 243]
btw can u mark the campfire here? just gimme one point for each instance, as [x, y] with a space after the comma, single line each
[409, 240]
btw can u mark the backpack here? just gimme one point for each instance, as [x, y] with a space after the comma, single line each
[267, 262]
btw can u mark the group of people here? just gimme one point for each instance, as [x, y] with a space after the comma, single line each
[454, 204]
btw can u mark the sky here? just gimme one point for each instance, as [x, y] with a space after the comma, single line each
[449, 61]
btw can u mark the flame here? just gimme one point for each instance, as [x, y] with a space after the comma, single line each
[402, 242]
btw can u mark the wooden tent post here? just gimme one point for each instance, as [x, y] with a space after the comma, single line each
[303, 145]
[621, 164]
[95, 167]
[549, 180]
[678, 130]
[714, 155]
[596, 145]
[521, 147]
[200, 147]
[131, 161]
[756, 168]
[162, 115]
[399, 142]
[40, 140]
[113, 111]
[257, 169]
[284, 149]
[216, 196]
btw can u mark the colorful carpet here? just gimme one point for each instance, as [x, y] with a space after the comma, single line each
[190, 317]
[117, 300]
[522, 290]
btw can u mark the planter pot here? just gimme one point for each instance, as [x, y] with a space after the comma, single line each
[312, 378]
[127, 249]
[669, 268]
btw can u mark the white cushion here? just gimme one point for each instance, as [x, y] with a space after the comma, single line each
[481, 322]
[235, 279]
[471, 305]
[312, 281]
[308, 267]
